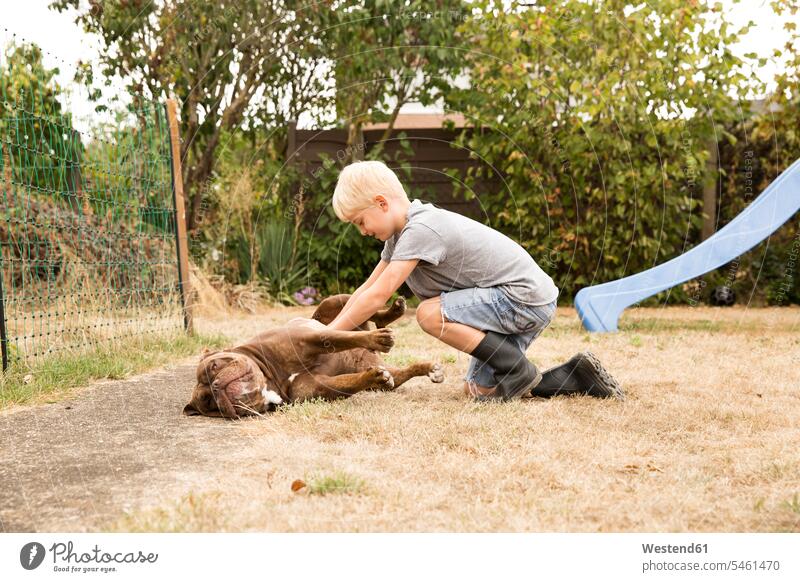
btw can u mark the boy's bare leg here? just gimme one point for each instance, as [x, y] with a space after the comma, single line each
[462, 337]
[473, 389]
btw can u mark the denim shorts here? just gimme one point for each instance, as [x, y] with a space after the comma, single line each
[491, 309]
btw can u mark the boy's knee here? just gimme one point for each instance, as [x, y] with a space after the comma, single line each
[429, 316]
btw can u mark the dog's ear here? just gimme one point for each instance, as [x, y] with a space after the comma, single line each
[191, 410]
[207, 352]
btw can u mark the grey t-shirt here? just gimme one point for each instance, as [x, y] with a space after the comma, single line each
[457, 252]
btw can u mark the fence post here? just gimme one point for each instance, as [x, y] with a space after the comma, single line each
[181, 239]
[3, 337]
[6, 192]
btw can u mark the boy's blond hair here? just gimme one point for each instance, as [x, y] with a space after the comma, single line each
[359, 182]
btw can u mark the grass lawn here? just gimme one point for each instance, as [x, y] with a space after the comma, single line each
[54, 378]
[707, 440]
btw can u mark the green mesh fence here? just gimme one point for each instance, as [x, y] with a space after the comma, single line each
[87, 221]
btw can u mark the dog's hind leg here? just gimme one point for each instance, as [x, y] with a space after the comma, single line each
[330, 307]
[306, 385]
[433, 371]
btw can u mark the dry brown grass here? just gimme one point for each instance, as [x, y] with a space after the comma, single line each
[706, 441]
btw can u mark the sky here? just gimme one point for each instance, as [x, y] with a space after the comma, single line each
[64, 43]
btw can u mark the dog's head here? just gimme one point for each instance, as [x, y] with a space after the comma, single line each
[230, 384]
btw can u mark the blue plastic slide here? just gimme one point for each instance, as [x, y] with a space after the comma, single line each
[600, 306]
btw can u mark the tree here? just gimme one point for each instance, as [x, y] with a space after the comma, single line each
[600, 117]
[41, 150]
[767, 141]
[387, 54]
[250, 63]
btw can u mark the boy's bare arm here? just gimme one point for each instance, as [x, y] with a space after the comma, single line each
[372, 297]
[379, 268]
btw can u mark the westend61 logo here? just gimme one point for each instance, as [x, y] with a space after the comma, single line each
[31, 555]
[65, 559]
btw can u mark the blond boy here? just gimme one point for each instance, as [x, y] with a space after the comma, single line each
[480, 291]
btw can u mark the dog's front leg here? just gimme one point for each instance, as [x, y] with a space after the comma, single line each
[306, 385]
[331, 306]
[318, 342]
[384, 317]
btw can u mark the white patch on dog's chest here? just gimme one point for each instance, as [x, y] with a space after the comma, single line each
[271, 396]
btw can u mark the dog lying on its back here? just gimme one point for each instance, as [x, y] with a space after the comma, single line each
[300, 360]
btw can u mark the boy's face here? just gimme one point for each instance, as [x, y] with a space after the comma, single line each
[377, 220]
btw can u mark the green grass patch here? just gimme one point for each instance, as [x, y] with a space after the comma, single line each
[657, 325]
[51, 379]
[399, 360]
[793, 504]
[308, 409]
[335, 483]
[194, 512]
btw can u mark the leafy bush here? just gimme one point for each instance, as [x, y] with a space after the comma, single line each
[596, 116]
[277, 261]
[338, 257]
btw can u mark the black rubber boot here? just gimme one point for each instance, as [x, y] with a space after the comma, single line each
[514, 373]
[581, 374]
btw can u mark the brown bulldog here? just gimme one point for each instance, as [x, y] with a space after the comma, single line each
[300, 360]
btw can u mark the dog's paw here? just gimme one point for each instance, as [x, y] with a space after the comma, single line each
[436, 374]
[380, 378]
[381, 339]
[399, 305]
